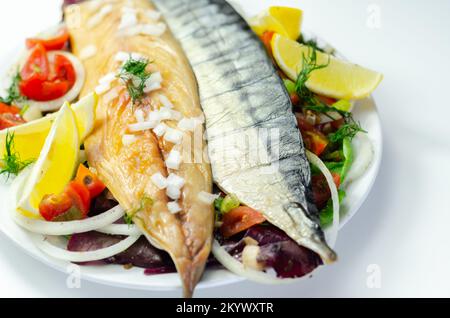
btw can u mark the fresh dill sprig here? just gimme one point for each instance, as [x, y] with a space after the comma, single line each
[131, 214]
[13, 92]
[134, 75]
[311, 102]
[11, 163]
[348, 130]
[310, 65]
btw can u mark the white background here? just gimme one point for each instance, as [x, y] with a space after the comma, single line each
[403, 228]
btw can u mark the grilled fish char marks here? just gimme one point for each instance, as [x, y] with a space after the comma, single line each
[127, 169]
[244, 102]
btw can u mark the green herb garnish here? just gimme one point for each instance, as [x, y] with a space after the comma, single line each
[134, 75]
[311, 102]
[310, 65]
[131, 214]
[11, 163]
[13, 92]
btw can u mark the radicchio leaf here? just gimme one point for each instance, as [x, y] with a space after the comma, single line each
[277, 251]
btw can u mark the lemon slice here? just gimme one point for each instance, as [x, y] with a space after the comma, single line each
[282, 20]
[56, 163]
[30, 137]
[340, 79]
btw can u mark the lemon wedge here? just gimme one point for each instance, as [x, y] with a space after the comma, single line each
[56, 164]
[282, 20]
[340, 79]
[30, 137]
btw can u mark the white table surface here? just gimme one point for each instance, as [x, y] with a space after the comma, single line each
[403, 228]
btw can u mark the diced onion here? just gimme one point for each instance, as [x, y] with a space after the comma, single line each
[71, 227]
[207, 198]
[97, 18]
[334, 195]
[108, 78]
[159, 181]
[175, 181]
[128, 140]
[120, 229]
[42, 242]
[142, 126]
[139, 115]
[165, 101]
[174, 207]
[173, 136]
[145, 29]
[174, 160]
[73, 93]
[160, 130]
[173, 192]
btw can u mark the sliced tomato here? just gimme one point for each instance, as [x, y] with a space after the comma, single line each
[63, 70]
[53, 206]
[315, 141]
[267, 40]
[57, 82]
[80, 196]
[90, 180]
[240, 219]
[4, 109]
[53, 44]
[295, 99]
[8, 120]
[37, 65]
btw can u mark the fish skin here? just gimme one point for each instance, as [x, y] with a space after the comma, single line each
[242, 95]
[127, 170]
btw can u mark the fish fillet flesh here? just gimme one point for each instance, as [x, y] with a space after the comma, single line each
[126, 169]
[254, 143]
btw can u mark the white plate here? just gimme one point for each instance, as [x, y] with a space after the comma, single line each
[113, 275]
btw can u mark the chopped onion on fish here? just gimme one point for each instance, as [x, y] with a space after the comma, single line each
[142, 126]
[73, 93]
[174, 207]
[175, 181]
[173, 136]
[207, 198]
[173, 192]
[42, 242]
[174, 160]
[140, 116]
[88, 52]
[334, 195]
[153, 15]
[165, 101]
[71, 227]
[128, 140]
[238, 268]
[120, 229]
[97, 18]
[159, 180]
[160, 130]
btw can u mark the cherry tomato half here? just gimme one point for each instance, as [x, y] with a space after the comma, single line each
[80, 196]
[54, 205]
[90, 181]
[240, 219]
[53, 44]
